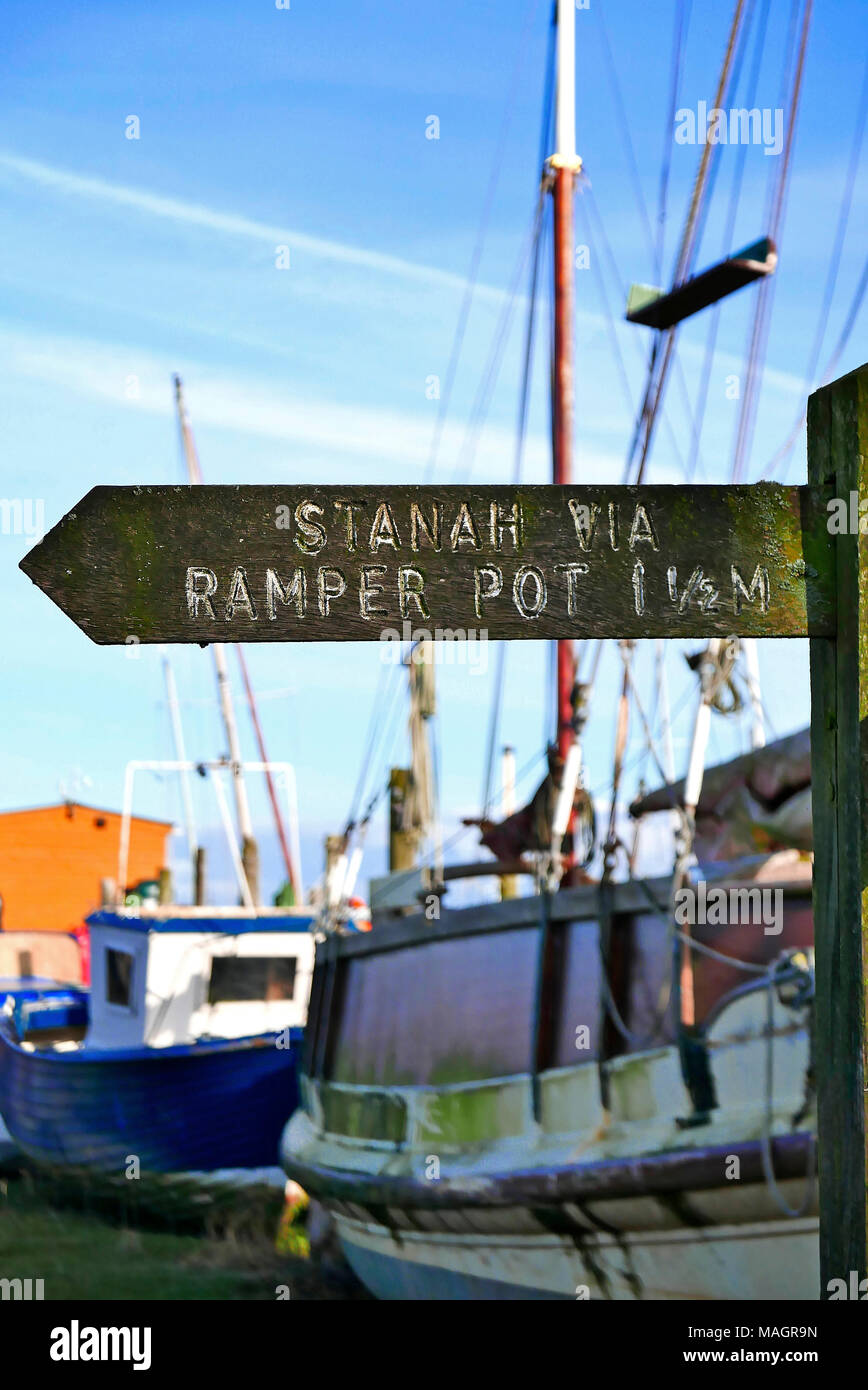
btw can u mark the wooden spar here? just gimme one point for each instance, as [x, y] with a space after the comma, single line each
[249, 854]
[563, 165]
[657, 309]
[838, 457]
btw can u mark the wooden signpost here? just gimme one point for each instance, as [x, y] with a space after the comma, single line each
[248, 564]
[278, 564]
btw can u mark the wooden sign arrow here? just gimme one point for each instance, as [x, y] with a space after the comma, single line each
[316, 564]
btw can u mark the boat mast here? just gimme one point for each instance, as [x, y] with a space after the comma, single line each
[181, 756]
[563, 166]
[249, 852]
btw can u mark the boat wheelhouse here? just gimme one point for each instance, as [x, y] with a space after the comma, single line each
[186, 975]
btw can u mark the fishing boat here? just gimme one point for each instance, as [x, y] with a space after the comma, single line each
[39, 1006]
[186, 1060]
[182, 1055]
[603, 1089]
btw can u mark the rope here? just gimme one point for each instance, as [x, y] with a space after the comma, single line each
[682, 21]
[518, 459]
[470, 288]
[765, 297]
[379, 722]
[621, 730]
[831, 281]
[482, 401]
[729, 232]
[624, 126]
[614, 271]
[766, 1146]
[657, 375]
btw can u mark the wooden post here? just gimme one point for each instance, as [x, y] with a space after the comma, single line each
[402, 842]
[199, 876]
[250, 862]
[838, 456]
[334, 848]
[508, 883]
[165, 887]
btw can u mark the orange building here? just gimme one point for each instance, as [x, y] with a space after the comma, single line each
[53, 858]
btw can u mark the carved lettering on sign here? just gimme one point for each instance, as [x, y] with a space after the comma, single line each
[316, 564]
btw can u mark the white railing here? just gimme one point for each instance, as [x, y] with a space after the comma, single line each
[286, 777]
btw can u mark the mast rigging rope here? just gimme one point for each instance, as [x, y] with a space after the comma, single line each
[476, 257]
[765, 297]
[831, 281]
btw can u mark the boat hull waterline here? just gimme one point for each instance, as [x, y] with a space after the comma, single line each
[196, 1107]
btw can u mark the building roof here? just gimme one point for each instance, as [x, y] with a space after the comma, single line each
[239, 921]
[82, 806]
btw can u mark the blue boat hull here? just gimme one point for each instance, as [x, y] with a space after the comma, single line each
[208, 1105]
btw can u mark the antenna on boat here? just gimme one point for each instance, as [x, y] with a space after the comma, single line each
[562, 167]
[249, 851]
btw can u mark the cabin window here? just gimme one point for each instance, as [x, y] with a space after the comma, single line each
[238, 978]
[119, 978]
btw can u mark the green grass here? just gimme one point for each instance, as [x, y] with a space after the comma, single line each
[107, 1254]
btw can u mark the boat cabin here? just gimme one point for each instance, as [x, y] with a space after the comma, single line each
[179, 975]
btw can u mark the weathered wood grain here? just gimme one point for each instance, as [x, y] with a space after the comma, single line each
[317, 564]
[838, 457]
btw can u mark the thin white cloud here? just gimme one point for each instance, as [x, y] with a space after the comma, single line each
[68, 184]
[140, 381]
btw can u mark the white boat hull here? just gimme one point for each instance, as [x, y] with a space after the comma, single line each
[763, 1260]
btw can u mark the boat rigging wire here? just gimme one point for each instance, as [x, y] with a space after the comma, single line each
[639, 196]
[482, 401]
[679, 40]
[518, 459]
[476, 257]
[779, 186]
[786, 448]
[380, 722]
[624, 125]
[590, 209]
[657, 375]
[729, 232]
[540, 219]
[849, 323]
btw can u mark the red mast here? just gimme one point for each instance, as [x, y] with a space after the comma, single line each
[563, 167]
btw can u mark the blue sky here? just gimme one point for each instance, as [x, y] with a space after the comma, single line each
[125, 260]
